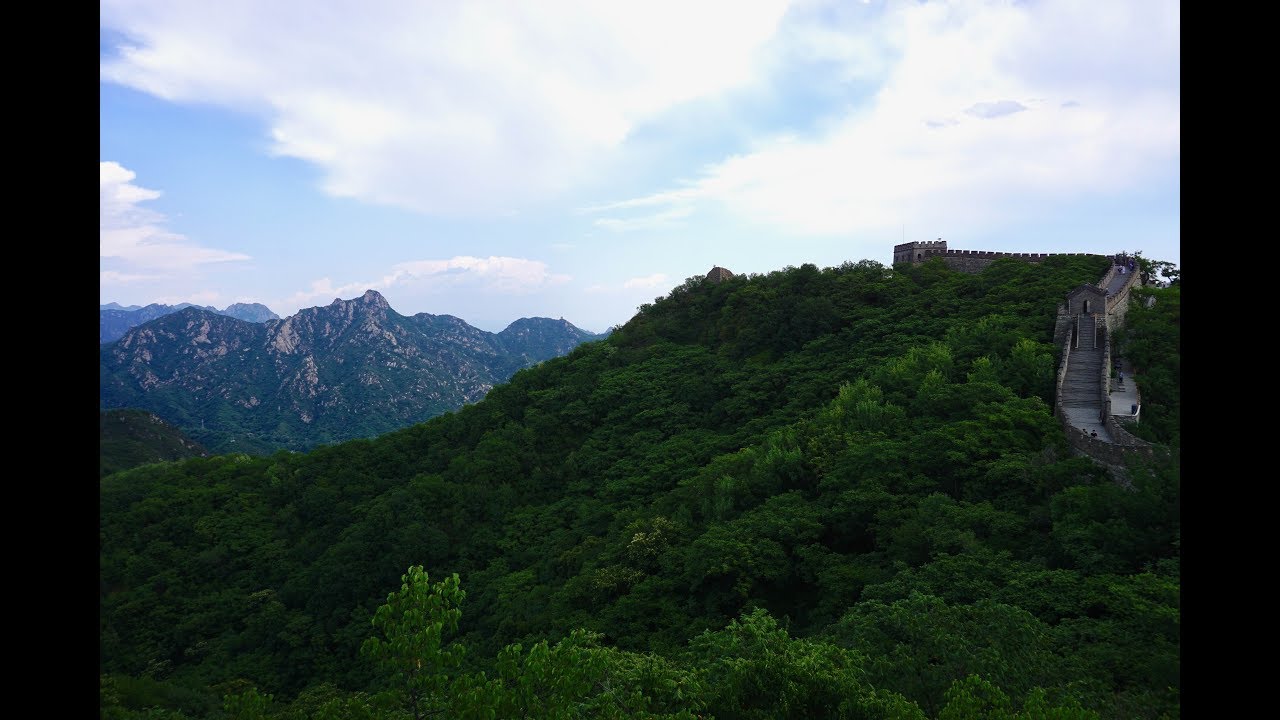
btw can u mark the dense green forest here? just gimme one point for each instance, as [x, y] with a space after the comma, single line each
[1150, 341]
[814, 493]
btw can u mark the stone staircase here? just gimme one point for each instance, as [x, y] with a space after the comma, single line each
[1080, 397]
[1088, 334]
[1082, 387]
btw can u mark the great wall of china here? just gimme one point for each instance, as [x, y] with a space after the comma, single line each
[1085, 393]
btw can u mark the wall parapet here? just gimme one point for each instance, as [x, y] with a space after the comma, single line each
[1121, 297]
[969, 261]
[997, 254]
[1065, 349]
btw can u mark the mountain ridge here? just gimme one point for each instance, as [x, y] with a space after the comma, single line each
[115, 320]
[350, 369]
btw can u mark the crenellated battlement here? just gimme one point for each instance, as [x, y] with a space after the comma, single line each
[971, 261]
[916, 252]
[925, 244]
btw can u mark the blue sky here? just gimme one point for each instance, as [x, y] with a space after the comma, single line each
[498, 160]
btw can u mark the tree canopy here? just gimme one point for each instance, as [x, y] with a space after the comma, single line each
[811, 493]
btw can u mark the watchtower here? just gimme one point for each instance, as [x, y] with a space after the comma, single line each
[918, 252]
[719, 274]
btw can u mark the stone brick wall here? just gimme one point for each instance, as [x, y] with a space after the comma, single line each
[1096, 297]
[975, 261]
[1064, 357]
[1111, 453]
[1104, 385]
[915, 252]
[1118, 304]
[1062, 327]
[1106, 279]
[968, 261]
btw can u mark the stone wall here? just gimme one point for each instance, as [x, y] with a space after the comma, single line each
[915, 252]
[968, 261]
[975, 261]
[1118, 304]
[1104, 384]
[1106, 279]
[1094, 296]
[1064, 350]
[1111, 453]
[1062, 327]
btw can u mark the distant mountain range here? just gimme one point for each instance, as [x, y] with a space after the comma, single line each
[351, 369]
[115, 320]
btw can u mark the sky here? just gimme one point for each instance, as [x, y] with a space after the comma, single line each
[575, 159]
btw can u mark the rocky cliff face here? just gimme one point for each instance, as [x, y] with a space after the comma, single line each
[354, 368]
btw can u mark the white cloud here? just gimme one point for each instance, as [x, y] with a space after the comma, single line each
[322, 290]
[648, 281]
[495, 274]
[628, 286]
[133, 239]
[112, 277]
[663, 219]
[500, 274]
[202, 298]
[443, 107]
[995, 109]
[981, 111]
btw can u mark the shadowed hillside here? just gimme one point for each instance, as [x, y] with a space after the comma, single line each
[129, 438]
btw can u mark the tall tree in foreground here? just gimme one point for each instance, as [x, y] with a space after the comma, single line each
[412, 651]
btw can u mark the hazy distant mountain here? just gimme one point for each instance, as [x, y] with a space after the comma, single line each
[354, 368]
[252, 312]
[115, 319]
[536, 339]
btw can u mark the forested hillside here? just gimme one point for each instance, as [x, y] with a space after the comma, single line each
[813, 493]
[1150, 341]
[128, 438]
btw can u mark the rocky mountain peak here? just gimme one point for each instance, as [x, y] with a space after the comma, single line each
[374, 297]
[370, 300]
[352, 368]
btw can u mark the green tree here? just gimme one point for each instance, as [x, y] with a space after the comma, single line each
[414, 623]
[976, 699]
[756, 670]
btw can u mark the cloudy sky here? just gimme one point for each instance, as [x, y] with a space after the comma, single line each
[576, 158]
